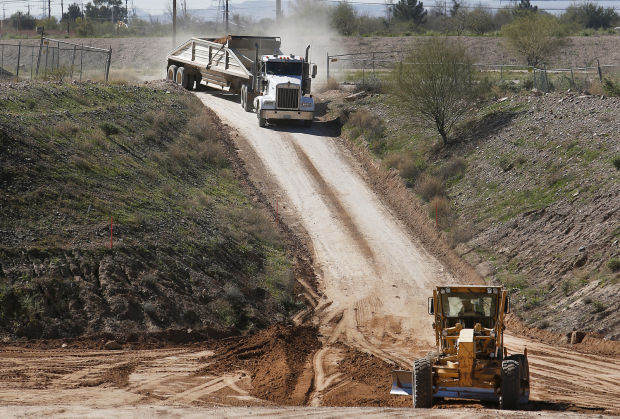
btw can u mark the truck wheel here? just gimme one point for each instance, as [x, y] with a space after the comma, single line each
[172, 74]
[262, 122]
[182, 77]
[198, 78]
[510, 385]
[190, 82]
[422, 383]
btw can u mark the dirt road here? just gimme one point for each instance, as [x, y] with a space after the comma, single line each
[373, 279]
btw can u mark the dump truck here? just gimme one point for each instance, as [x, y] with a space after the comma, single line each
[471, 361]
[274, 85]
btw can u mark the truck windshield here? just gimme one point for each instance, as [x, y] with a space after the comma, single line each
[284, 68]
[468, 305]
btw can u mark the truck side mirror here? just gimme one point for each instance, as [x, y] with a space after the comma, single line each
[431, 305]
[313, 70]
[507, 305]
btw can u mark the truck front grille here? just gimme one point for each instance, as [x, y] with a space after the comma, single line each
[288, 98]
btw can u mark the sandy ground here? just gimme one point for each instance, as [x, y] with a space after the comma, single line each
[373, 277]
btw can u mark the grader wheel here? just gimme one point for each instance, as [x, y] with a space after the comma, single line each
[422, 383]
[510, 388]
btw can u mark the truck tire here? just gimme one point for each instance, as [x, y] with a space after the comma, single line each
[171, 75]
[524, 377]
[198, 78]
[510, 387]
[262, 122]
[182, 77]
[190, 82]
[422, 383]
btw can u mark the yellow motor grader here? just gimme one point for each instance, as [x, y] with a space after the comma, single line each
[471, 361]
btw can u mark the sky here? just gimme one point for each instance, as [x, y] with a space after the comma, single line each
[264, 7]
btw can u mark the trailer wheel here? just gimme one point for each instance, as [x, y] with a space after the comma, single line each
[510, 387]
[262, 122]
[422, 383]
[190, 81]
[247, 100]
[172, 73]
[182, 77]
[198, 78]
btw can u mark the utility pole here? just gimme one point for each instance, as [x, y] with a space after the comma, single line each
[3, 17]
[226, 17]
[278, 10]
[174, 23]
[62, 9]
[126, 13]
[49, 9]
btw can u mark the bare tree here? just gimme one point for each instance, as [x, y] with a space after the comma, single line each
[437, 84]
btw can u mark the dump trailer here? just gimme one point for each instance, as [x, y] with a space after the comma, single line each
[274, 85]
[471, 361]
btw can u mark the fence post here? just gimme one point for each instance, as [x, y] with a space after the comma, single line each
[58, 57]
[47, 54]
[2, 59]
[327, 66]
[600, 73]
[39, 57]
[572, 77]
[19, 54]
[107, 67]
[31, 61]
[73, 61]
[81, 61]
[373, 63]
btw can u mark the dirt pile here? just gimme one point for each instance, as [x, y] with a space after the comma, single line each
[275, 358]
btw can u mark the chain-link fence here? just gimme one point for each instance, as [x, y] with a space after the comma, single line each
[365, 67]
[52, 59]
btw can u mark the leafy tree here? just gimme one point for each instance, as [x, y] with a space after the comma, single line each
[106, 9]
[439, 86]
[589, 15]
[534, 36]
[456, 5]
[344, 19]
[73, 12]
[479, 21]
[410, 10]
[22, 21]
[525, 6]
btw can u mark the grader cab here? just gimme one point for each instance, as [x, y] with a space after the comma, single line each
[471, 361]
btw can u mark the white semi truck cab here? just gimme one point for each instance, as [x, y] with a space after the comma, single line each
[274, 85]
[284, 89]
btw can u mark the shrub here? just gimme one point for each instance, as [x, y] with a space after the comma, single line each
[461, 234]
[614, 264]
[409, 167]
[617, 163]
[109, 129]
[611, 88]
[597, 307]
[370, 84]
[332, 84]
[367, 124]
[439, 207]
[534, 36]
[429, 187]
[454, 168]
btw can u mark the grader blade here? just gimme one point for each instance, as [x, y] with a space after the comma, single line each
[402, 382]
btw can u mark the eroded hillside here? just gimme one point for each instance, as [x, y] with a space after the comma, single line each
[191, 249]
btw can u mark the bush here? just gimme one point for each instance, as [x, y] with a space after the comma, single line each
[617, 163]
[454, 168]
[611, 88]
[597, 307]
[367, 124]
[439, 207]
[409, 167]
[461, 234]
[332, 84]
[429, 187]
[109, 129]
[534, 36]
[614, 264]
